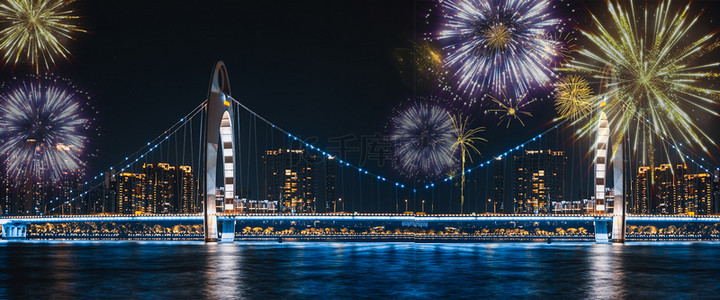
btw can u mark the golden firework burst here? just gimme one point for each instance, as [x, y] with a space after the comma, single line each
[498, 36]
[510, 110]
[465, 139]
[573, 97]
[651, 79]
[35, 31]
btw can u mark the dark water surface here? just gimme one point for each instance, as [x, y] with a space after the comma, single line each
[265, 270]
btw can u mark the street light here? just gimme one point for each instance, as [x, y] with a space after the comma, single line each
[423, 206]
[342, 204]
[406, 204]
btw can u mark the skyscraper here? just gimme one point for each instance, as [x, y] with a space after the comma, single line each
[716, 192]
[498, 195]
[538, 180]
[131, 193]
[161, 181]
[187, 200]
[331, 198]
[698, 194]
[643, 190]
[669, 189]
[161, 188]
[289, 177]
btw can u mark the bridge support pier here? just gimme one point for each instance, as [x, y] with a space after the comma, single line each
[14, 231]
[601, 232]
[228, 231]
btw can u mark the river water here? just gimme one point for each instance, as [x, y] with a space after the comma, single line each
[301, 270]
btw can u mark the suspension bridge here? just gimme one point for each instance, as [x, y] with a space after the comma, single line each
[224, 144]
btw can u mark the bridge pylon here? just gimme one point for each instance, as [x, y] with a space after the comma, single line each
[606, 134]
[218, 137]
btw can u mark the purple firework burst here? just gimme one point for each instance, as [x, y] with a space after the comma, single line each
[43, 132]
[499, 46]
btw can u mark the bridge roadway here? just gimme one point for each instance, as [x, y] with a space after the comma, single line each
[421, 218]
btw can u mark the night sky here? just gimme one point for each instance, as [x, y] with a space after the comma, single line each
[317, 68]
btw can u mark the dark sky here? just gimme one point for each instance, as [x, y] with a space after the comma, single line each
[317, 68]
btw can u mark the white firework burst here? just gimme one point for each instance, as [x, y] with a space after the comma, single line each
[422, 136]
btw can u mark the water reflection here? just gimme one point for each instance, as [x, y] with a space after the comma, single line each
[223, 272]
[196, 270]
[606, 271]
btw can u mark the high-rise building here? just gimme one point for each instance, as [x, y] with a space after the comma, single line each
[641, 202]
[498, 195]
[331, 197]
[698, 194]
[132, 193]
[716, 192]
[187, 201]
[161, 180]
[669, 189]
[161, 188]
[290, 178]
[538, 180]
[8, 206]
[69, 187]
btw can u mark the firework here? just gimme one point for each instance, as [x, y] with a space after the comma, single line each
[422, 137]
[573, 97]
[649, 73]
[35, 31]
[565, 47]
[465, 138]
[499, 45]
[511, 110]
[42, 131]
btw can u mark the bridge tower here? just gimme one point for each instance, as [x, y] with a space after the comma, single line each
[218, 138]
[603, 135]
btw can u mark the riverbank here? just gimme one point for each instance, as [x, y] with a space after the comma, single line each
[370, 238]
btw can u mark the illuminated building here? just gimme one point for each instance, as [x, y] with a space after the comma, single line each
[716, 192]
[609, 200]
[161, 189]
[131, 193]
[331, 198]
[186, 191]
[669, 189]
[68, 187]
[6, 203]
[498, 185]
[642, 191]
[289, 177]
[698, 194]
[538, 180]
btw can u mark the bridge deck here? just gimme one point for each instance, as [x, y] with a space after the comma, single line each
[356, 217]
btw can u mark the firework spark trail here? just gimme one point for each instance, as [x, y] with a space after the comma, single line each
[42, 130]
[422, 137]
[34, 31]
[499, 45]
[651, 74]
